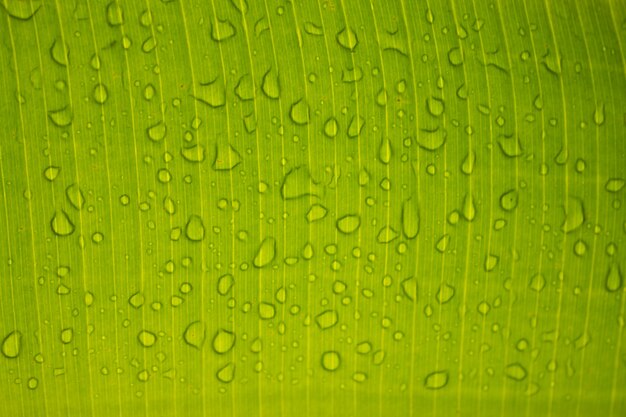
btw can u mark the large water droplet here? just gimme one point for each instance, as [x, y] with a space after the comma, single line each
[222, 30]
[349, 223]
[508, 200]
[299, 112]
[146, 338]
[436, 380]
[574, 213]
[347, 39]
[194, 230]
[298, 183]
[327, 319]
[614, 278]
[410, 288]
[226, 157]
[226, 374]
[331, 360]
[157, 132]
[432, 139]
[59, 51]
[12, 345]
[270, 84]
[20, 9]
[61, 224]
[75, 196]
[515, 371]
[62, 117]
[211, 93]
[223, 341]
[195, 333]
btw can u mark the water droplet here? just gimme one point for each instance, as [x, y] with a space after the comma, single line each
[194, 230]
[442, 243]
[195, 333]
[195, 153]
[574, 214]
[270, 84]
[226, 374]
[508, 200]
[455, 57]
[299, 112]
[537, 282]
[316, 212]
[432, 139]
[51, 173]
[59, 51]
[349, 223]
[21, 10]
[435, 106]
[222, 30]
[225, 284]
[245, 88]
[469, 208]
[146, 338]
[510, 146]
[355, 126]
[136, 300]
[331, 360]
[115, 14]
[598, 114]
[614, 185]
[386, 235]
[614, 278]
[582, 341]
[409, 288]
[327, 319]
[240, 5]
[468, 163]
[75, 196]
[267, 311]
[410, 219]
[298, 183]
[491, 261]
[62, 117]
[266, 253]
[385, 151]
[212, 93]
[313, 29]
[359, 377]
[12, 344]
[157, 132]
[515, 371]
[436, 380]
[100, 94]
[226, 157]
[223, 341]
[446, 293]
[331, 127]
[347, 39]
[61, 224]
[67, 335]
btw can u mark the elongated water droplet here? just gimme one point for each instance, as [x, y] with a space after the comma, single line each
[469, 208]
[409, 288]
[436, 380]
[59, 51]
[266, 252]
[12, 344]
[598, 115]
[245, 88]
[115, 14]
[225, 284]
[574, 213]
[355, 126]
[385, 151]
[614, 278]
[410, 219]
[75, 196]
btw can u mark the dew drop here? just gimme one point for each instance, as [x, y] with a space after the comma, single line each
[436, 380]
[265, 253]
[194, 335]
[61, 224]
[223, 341]
[12, 345]
[194, 230]
[331, 361]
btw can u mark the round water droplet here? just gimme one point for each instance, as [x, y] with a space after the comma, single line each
[146, 338]
[195, 333]
[331, 360]
[115, 14]
[436, 380]
[51, 173]
[508, 200]
[61, 224]
[347, 39]
[455, 57]
[267, 311]
[349, 223]
[67, 335]
[12, 344]
[537, 282]
[331, 127]
[223, 341]
[194, 230]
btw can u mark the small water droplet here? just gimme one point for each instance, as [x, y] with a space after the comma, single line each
[574, 214]
[100, 94]
[515, 371]
[327, 319]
